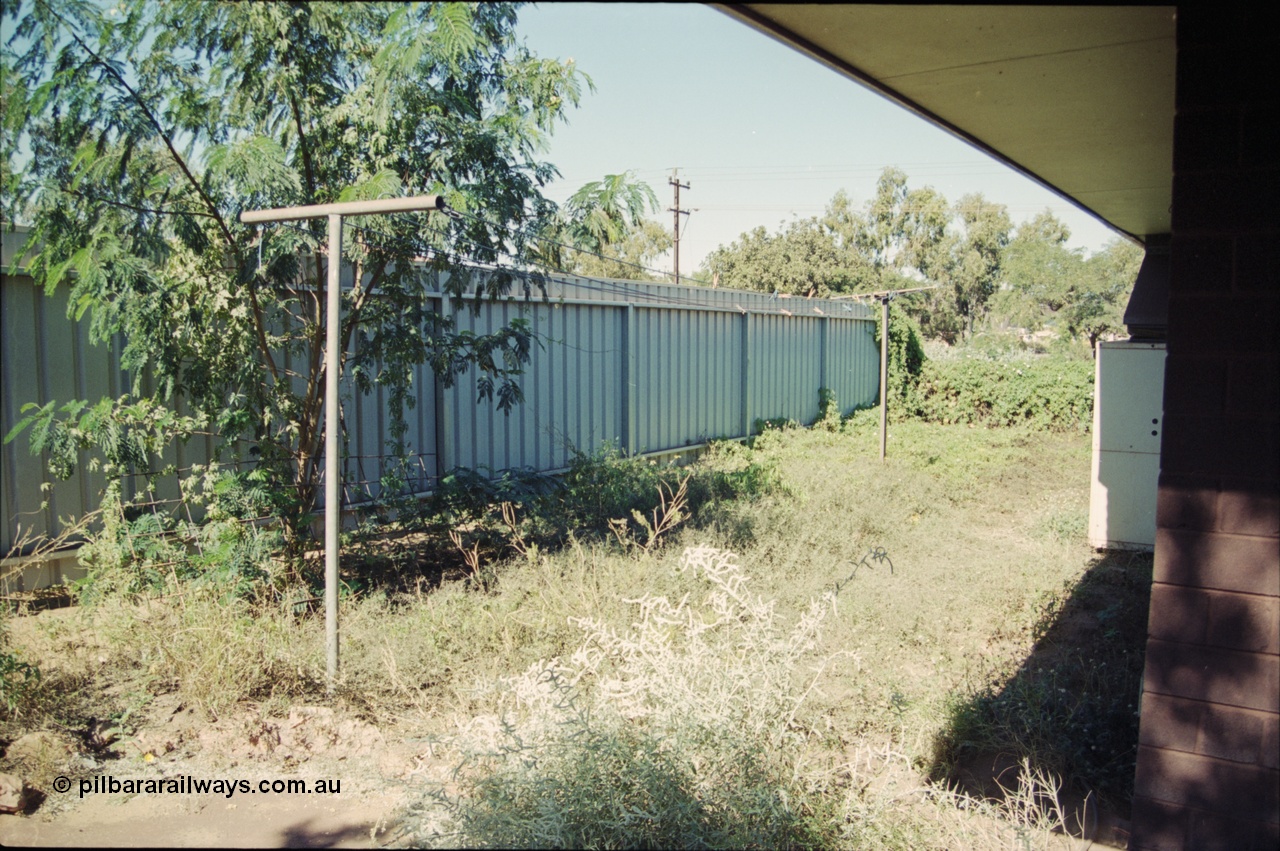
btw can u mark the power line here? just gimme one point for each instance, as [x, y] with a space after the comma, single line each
[137, 208]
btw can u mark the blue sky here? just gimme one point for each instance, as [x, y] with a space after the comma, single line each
[761, 133]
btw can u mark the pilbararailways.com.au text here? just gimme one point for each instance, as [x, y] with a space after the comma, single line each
[188, 785]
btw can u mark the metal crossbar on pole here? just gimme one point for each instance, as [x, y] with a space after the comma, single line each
[332, 366]
[345, 208]
[884, 297]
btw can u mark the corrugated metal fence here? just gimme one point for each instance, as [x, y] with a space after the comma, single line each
[653, 367]
[648, 367]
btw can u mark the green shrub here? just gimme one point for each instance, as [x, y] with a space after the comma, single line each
[134, 552]
[604, 495]
[607, 485]
[466, 495]
[144, 548]
[1047, 393]
[829, 418]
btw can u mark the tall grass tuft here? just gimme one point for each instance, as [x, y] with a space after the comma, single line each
[679, 731]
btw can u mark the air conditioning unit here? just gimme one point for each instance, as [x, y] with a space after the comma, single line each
[1128, 420]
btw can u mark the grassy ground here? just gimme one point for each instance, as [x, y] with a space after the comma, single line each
[589, 705]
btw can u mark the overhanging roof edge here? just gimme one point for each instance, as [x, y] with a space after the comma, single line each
[760, 22]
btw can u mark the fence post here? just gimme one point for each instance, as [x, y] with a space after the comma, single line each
[442, 421]
[824, 379]
[628, 380]
[746, 374]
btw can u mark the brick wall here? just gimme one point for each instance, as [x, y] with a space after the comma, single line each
[1208, 771]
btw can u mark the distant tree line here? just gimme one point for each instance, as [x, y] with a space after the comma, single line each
[988, 272]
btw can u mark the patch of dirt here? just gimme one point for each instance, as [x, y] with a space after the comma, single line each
[372, 771]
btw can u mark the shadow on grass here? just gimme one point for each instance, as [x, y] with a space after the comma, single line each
[475, 521]
[1071, 709]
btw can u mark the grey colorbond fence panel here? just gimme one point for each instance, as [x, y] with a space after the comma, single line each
[19, 332]
[663, 375]
[648, 366]
[56, 346]
[572, 390]
[786, 367]
[853, 365]
[686, 389]
[45, 357]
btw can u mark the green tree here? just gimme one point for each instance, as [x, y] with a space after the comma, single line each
[974, 268]
[1097, 302]
[903, 232]
[803, 258]
[814, 257]
[1045, 281]
[604, 232]
[905, 236]
[897, 241]
[152, 125]
[1039, 273]
[630, 257]
[902, 239]
[604, 212]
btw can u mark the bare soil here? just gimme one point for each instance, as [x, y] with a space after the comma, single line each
[309, 743]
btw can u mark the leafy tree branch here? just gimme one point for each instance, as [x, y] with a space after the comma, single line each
[210, 109]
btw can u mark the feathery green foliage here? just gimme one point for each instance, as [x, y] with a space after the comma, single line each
[604, 232]
[150, 126]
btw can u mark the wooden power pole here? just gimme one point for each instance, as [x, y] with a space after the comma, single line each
[676, 214]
